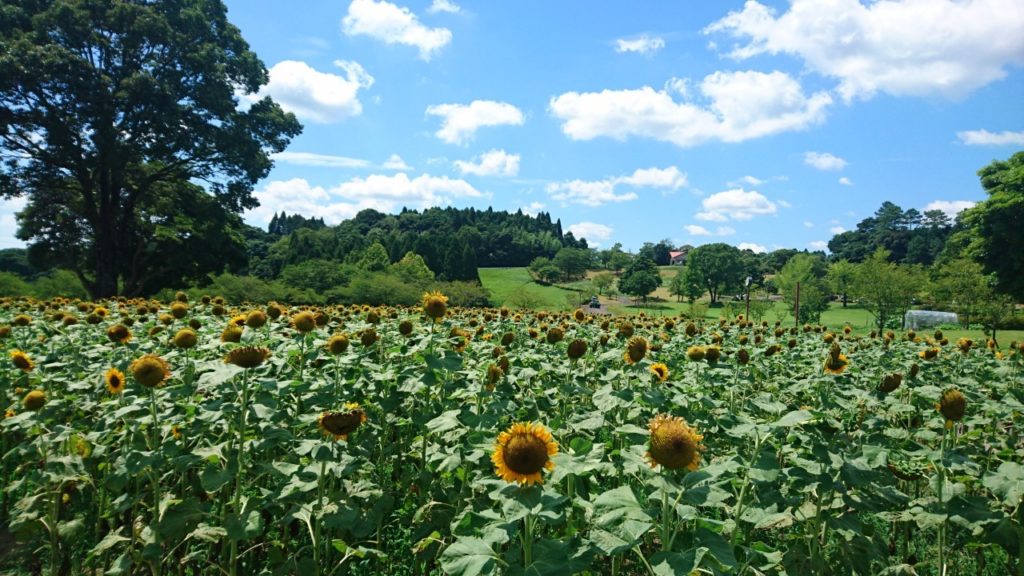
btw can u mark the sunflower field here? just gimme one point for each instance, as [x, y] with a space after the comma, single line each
[142, 437]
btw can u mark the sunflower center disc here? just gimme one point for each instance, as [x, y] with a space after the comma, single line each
[525, 454]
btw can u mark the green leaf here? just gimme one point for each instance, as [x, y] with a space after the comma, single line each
[1007, 482]
[214, 478]
[109, 541]
[621, 520]
[207, 533]
[468, 557]
[674, 563]
[792, 419]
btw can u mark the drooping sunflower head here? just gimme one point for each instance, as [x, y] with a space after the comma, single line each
[150, 370]
[636, 349]
[435, 305]
[952, 405]
[577, 348]
[695, 353]
[256, 319]
[712, 354]
[836, 361]
[890, 382]
[522, 451]
[555, 335]
[368, 337]
[304, 321]
[186, 338]
[231, 333]
[626, 330]
[964, 344]
[21, 361]
[114, 381]
[119, 334]
[337, 344]
[660, 371]
[34, 400]
[247, 356]
[691, 329]
[928, 353]
[22, 320]
[673, 444]
[494, 374]
[339, 424]
[914, 369]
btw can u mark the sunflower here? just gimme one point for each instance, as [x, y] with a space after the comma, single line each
[22, 320]
[522, 451]
[695, 353]
[114, 379]
[255, 319]
[576, 350]
[636, 349]
[368, 337]
[304, 321]
[10, 413]
[660, 370]
[21, 361]
[247, 356]
[150, 370]
[712, 354]
[674, 444]
[405, 327]
[891, 382]
[952, 405]
[435, 305]
[185, 338]
[836, 362]
[964, 344]
[337, 344]
[340, 424]
[118, 333]
[34, 400]
[231, 333]
[494, 374]
[743, 357]
[928, 353]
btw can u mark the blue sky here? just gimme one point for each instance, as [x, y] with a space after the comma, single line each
[764, 125]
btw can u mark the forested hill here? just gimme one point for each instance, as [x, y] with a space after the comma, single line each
[452, 241]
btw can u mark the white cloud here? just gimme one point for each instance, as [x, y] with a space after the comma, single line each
[8, 223]
[951, 208]
[843, 180]
[986, 138]
[751, 180]
[491, 163]
[312, 95]
[837, 229]
[386, 193]
[784, 203]
[739, 106]
[460, 122]
[824, 161]
[395, 162]
[594, 233]
[598, 192]
[901, 47]
[736, 204]
[725, 231]
[393, 24]
[755, 248]
[444, 6]
[321, 160]
[808, 224]
[818, 245]
[643, 44]
[694, 230]
[532, 208]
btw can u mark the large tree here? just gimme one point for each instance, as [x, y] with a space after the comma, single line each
[111, 112]
[886, 289]
[719, 267]
[807, 270]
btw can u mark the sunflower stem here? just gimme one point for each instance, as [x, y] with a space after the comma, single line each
[236, 499]
[527, 541]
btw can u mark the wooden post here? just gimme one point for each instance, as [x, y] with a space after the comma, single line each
[796, 311]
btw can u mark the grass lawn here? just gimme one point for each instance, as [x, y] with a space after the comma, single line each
[515, 288]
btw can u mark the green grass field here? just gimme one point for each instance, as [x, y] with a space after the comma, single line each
[515, 288]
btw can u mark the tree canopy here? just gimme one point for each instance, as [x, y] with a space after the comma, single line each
[111, 113]
[719, 266]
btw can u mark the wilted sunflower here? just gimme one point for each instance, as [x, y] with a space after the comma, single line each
[952, 405]
[34, 400]
[114, 380]
[522, 451]
[21, 361]
[186, 338]
[118, 333]
[340, 424]
[674, 444]
[928, 353]
[247, 356]
[304, 321]
[494, 374]
[660, 370]
[435, 305]
[636, 349]
[836, 362]
[150, 370]
[337, 344]
[891, 382]
[577, 348]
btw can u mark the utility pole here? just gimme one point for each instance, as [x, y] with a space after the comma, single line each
[796, 311]
[747, 285]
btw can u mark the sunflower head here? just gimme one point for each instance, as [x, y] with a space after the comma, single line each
[674, 444]
[952, 405]
[342, 423]
[405, 327]
[914, 369]
[118, 333]
[304, 321]
[368, 337]
[555, 335]
[890, 382]
[579, 315]
[10, 413]
[626, 330]
[274, 310]
[337, 344]
[256, 319]
[186, 338]
[21, 361]
[231, 333]
[114, 380]
[743, 357]
[150, 370]
[247, 356]
[179, 310]
[660, 371]
[34, 400]
[836, 364]
[928, 353]
[22, 320]
[636, 349]
[435, 305]
[695, 353]
[712, 354]
[522, 451]
[964, 344]
[577, 348]
[494, 374]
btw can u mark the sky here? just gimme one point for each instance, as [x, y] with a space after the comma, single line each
[765, 125]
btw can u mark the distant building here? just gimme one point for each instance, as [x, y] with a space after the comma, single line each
[677, 258]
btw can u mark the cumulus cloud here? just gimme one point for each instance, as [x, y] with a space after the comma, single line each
[837, 229]
[808, 224]
[8, 223]
[532, 208]
[843, 180]
[594, 233]
[643, 44]
[491, 163]
[901, 47]
[694, 230]
[386, 193]
[599, 192]
[986, 138]
[755, 248]
[319, 97]
[460, 121]
[818, 245]
[394, 24]
[320, 160]
[737, 106]
[395, 162]
[824, 161]
[444, 6]
[950, 207]
[736, 204]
